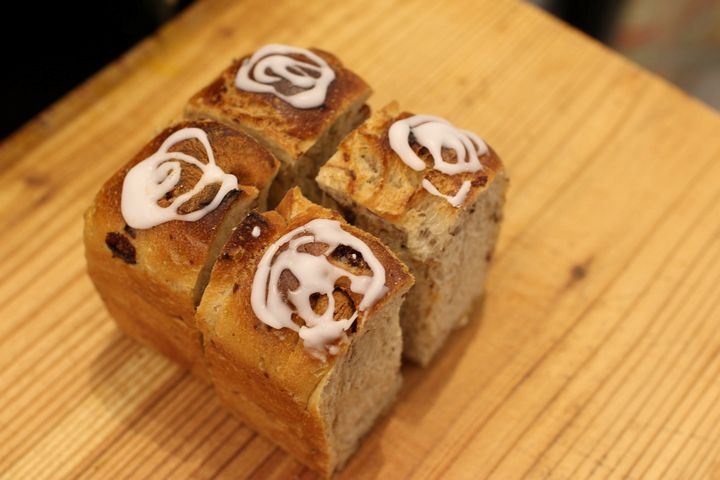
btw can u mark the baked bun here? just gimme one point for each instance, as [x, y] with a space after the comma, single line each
[434, 193]
[301, 329]
[155, 229]
[298, 103]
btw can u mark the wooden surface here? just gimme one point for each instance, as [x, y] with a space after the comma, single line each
[597, 351]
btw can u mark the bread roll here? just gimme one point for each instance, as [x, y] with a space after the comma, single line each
[301, 329]
[298, 103]
[434, 193]
[150, 258]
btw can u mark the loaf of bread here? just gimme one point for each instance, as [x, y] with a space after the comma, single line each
[298, 103]
[301, 327]
[156, 227]
[434, 193]
[297, 317]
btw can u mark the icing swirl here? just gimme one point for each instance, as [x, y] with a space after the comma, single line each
[436, 133]
[272, 64]
[151, 179]
[315, 275]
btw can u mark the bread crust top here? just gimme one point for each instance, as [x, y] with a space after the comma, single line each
[366, 172]
[290, 129]
[226, 315]
[180, 247]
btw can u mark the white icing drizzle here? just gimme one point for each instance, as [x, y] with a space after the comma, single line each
[255, 231]
[315, 275]
[273, 63]
[148, 181]
[454, 200]
[436, 133]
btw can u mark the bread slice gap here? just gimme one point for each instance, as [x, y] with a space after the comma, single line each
[235, 214]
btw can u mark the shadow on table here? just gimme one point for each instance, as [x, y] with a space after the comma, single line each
[427, 383]
[421, 390]
[170, 421]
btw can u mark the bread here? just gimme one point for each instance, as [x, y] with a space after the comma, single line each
[315, 392]
[302, 134]
[447, 241]
[152, 277]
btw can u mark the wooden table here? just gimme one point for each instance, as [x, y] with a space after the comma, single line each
[597, 352]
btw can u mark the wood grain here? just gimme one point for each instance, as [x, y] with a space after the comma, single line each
[596, 353]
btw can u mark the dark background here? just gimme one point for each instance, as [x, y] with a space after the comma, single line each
[56, 45]
[51, 47]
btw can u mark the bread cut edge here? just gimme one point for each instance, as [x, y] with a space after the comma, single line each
[431, 312]
[363, 384]
[447, 288]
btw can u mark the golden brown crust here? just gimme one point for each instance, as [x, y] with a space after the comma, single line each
[277, 123]
[235, 153]
[180, 247]
[148, 276]
[153, 315]
[367, 172]
[271, 367]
